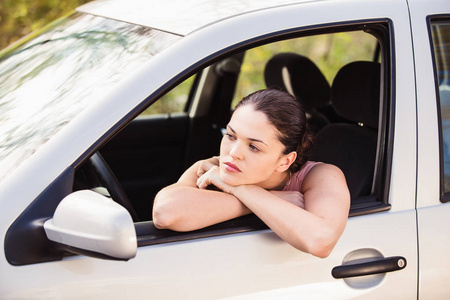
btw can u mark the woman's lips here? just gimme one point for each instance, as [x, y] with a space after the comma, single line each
[231, 167]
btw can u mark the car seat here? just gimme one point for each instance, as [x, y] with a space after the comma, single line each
[299, 76]
[355, 95]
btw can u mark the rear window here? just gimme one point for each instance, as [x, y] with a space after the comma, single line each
[440, 30]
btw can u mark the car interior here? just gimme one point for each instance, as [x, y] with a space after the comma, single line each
[343, 109]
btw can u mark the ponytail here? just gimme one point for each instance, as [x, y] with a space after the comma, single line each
[304, 149]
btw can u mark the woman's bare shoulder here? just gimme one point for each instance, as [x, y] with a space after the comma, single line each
[326, 193]
[324, 169]
[323, 174]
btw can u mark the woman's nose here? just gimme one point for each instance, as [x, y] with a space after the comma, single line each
[236, 151]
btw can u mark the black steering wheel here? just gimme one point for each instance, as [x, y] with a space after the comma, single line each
[110, 182]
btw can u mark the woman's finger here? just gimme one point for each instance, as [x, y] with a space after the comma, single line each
[201, 182]
[209, 177]
[207, 164]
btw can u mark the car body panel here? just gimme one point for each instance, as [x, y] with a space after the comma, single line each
[178, 17]
[236, 265]
[432, 214]
[428, 188]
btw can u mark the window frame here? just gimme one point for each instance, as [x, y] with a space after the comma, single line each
[149, 235]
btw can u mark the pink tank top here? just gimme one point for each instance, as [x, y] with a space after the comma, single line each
[297, 178]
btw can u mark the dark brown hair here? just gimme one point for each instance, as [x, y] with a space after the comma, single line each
[287, 115]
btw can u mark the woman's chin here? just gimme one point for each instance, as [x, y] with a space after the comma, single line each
[230, 179]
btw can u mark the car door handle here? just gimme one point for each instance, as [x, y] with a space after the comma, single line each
[384, 265]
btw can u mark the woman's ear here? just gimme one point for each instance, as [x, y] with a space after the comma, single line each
[286, 161]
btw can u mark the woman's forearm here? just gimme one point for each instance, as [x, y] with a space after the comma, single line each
[185, 208]
[300, 228]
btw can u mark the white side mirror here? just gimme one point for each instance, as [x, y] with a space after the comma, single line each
[93, 225]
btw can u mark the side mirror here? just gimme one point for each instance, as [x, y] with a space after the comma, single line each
[88, 223]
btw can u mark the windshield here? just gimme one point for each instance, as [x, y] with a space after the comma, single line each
[49, 79]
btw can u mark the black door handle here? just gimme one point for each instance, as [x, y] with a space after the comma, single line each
[384, 265]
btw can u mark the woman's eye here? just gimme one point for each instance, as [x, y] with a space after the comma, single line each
[230, 136]
[254, 148]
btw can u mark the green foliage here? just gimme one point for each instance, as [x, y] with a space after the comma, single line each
[20, 17]
[174, 101]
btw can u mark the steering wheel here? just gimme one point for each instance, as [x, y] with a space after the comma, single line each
[110, 182]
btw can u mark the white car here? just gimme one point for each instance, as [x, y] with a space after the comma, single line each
[116, 100]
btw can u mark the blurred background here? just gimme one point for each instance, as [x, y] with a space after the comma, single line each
[20, 17]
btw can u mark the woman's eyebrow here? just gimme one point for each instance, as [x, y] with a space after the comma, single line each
[250, 139]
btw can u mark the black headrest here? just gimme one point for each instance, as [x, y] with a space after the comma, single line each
[307, 81]
[355, 92]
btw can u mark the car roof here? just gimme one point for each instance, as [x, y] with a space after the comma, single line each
[179, 17]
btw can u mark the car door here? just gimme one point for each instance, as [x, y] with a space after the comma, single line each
[244, 259]
[430, 22]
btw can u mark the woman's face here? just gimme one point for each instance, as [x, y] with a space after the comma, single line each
[250, 152]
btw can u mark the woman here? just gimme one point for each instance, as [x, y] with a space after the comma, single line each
[262, 169]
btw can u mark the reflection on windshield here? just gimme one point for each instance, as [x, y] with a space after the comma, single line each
[47, 81]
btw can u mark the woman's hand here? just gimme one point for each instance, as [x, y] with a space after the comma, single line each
[294, 197]
[212, 176]
[183, 206]
[207, 164]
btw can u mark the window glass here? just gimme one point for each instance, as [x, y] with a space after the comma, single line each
[328, 51]
[174, 101]
[441, 44]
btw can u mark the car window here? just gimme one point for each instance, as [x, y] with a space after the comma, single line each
[347, 60]
[440, 30]
[175, 101]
